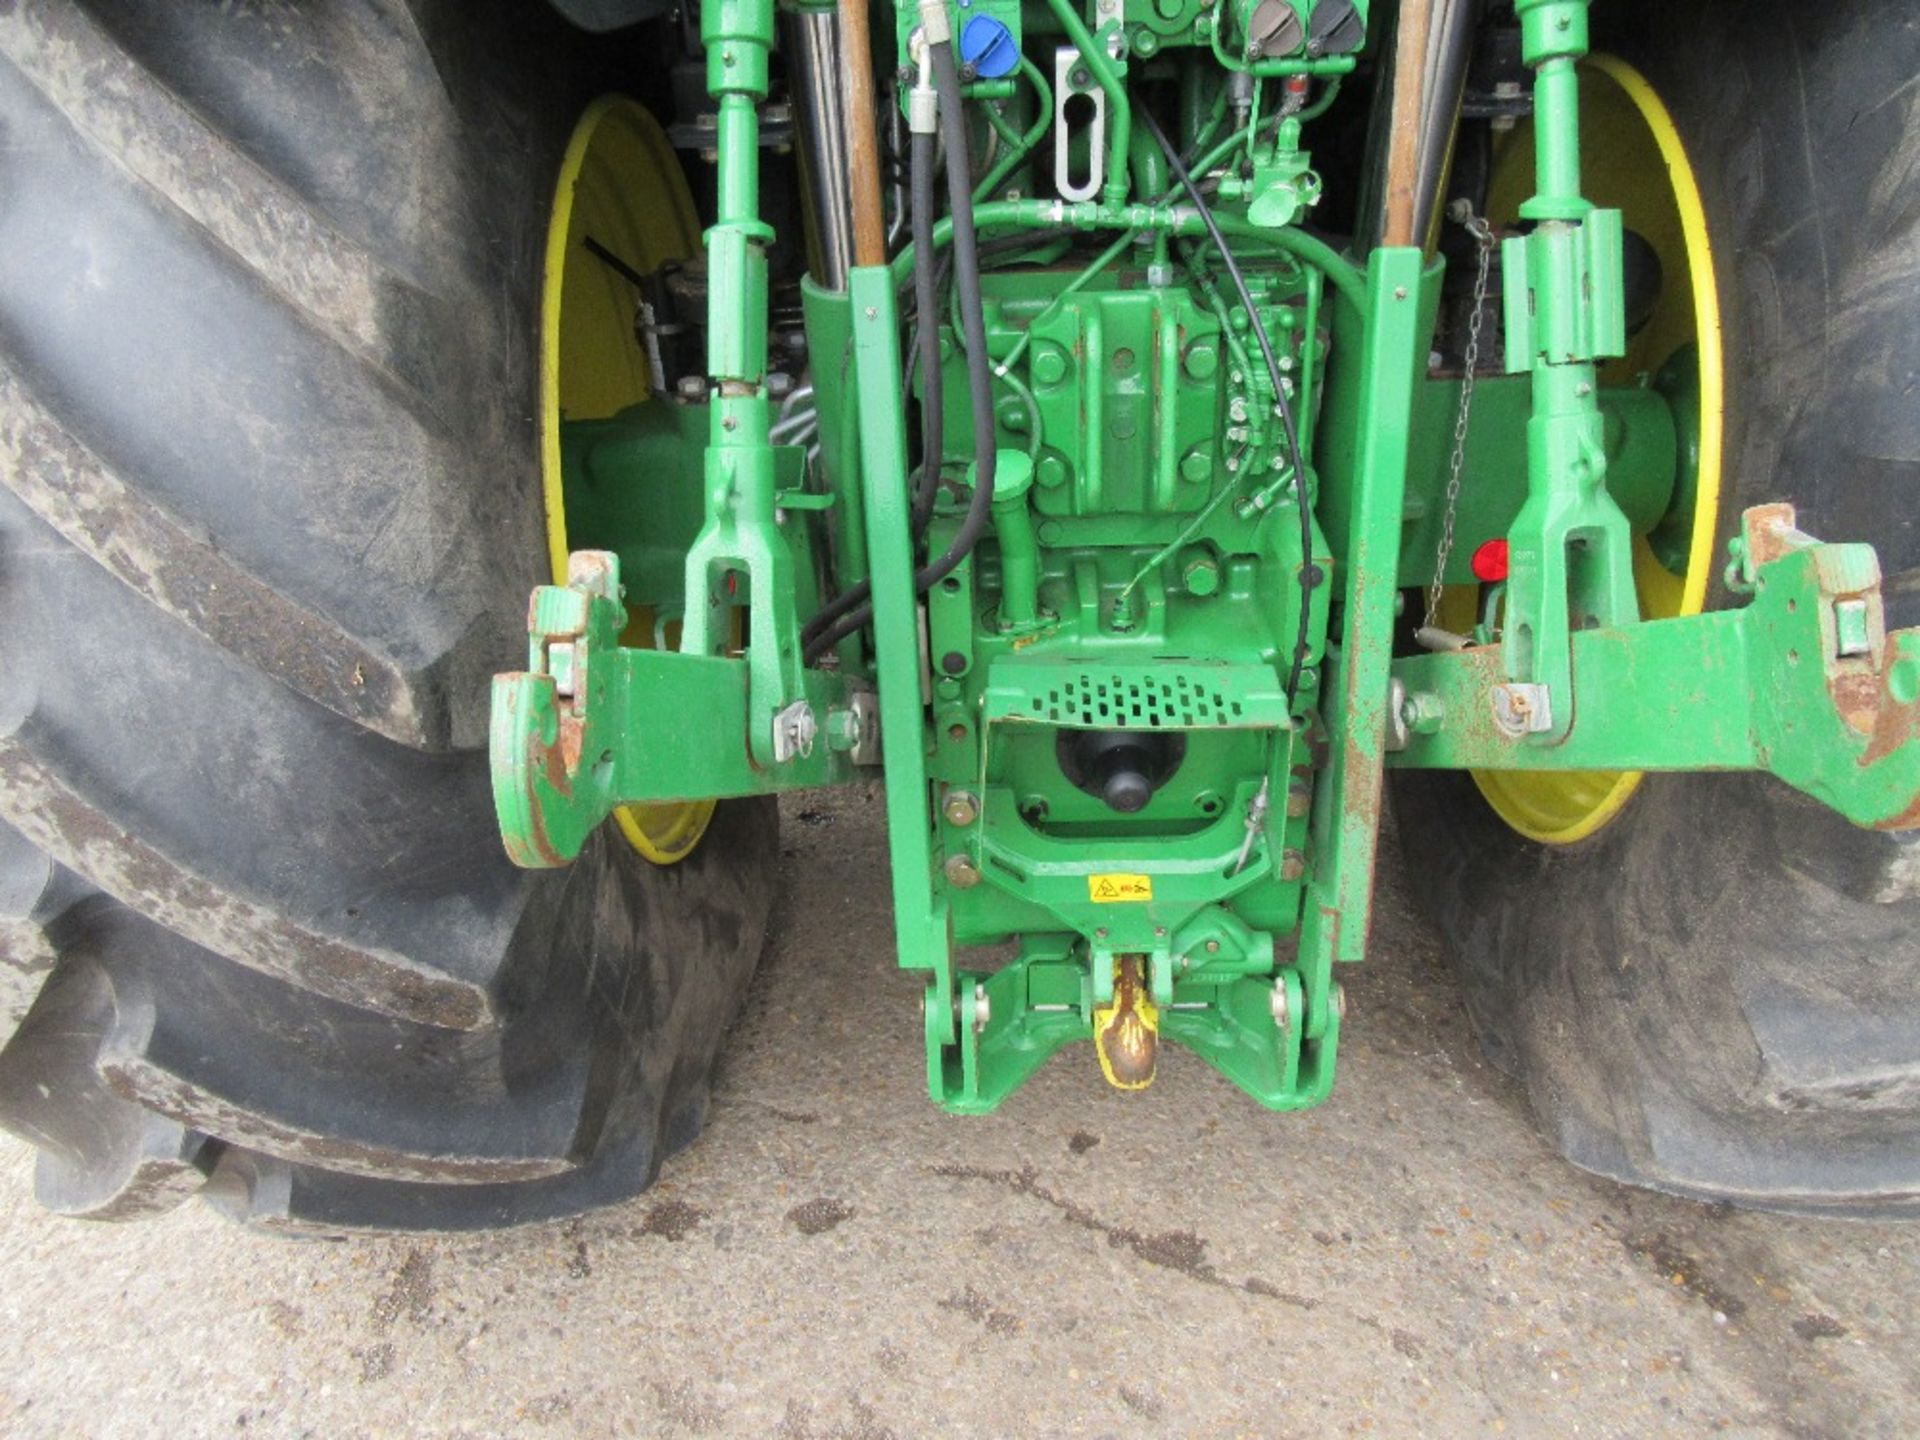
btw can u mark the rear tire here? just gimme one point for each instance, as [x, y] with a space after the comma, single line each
[1718, 994]
[271, 512]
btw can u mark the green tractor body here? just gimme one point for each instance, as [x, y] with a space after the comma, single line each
[1168, 445]
[1139, 729]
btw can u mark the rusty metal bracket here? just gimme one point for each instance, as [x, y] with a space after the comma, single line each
[591, 725]
[1805, 682]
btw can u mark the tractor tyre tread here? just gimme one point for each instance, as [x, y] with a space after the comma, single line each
[269, 512]
[1718, 994]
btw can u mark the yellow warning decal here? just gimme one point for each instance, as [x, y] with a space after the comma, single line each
[1106, 889]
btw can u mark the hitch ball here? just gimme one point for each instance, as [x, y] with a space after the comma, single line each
[1121, 767]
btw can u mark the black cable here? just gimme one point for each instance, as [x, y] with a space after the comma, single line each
[614, 263]
[1309, 572]
[973, 321]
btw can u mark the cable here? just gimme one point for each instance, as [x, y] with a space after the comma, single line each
[1309, 572]
[966, 270]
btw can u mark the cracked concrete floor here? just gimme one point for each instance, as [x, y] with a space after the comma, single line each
[837, 1258]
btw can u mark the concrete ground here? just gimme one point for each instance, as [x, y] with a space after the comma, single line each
[837, 1258]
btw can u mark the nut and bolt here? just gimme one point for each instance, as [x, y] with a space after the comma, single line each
[1279, 1002]
[1293, 864]
[692, 388]
[960, 808]
[843, 730]
[1421, 712]
[1299, 799]
[1049, 365]
[961, 872]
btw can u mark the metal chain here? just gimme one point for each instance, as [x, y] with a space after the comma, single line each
[1482, 233]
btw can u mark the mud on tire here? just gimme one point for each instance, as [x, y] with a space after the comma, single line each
[269, 512]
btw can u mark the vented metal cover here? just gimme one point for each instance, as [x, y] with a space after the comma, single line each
[1169, 695]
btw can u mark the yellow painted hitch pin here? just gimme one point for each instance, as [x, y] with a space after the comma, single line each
[1127, 1033]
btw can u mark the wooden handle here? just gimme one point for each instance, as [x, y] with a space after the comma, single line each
[863, 144]
[1403, 145]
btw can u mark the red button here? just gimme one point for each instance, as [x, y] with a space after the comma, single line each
[1490, 561]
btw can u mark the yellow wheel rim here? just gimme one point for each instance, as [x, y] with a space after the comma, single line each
[621, 184]
[1632, 161]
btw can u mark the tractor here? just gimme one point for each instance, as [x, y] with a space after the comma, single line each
[1166, 444]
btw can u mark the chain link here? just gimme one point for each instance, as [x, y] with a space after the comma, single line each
[1482, 233]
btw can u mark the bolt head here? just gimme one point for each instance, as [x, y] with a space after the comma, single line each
[960, 808]
[1049, 365]
[961, 872]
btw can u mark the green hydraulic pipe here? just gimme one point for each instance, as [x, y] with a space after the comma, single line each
[1324, 65]
[1149, 165]
[1176, 220]
[1150, 178]
[1323, 102]
[1018, 146]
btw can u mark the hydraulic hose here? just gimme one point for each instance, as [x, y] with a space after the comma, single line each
[855, 604]
[926, 305]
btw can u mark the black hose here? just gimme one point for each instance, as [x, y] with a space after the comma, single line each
[1002, 245]
[973, 323]
[926, 307]
[1309, 572]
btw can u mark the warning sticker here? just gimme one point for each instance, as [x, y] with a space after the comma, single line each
[1106, 889]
